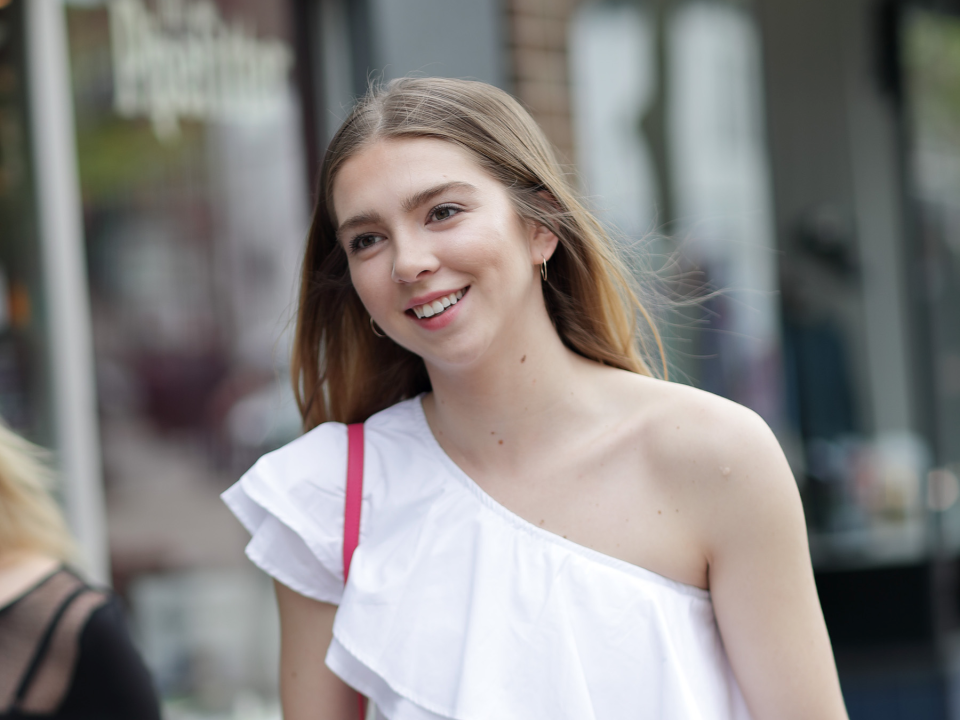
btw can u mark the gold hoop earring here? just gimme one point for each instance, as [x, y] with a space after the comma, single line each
[543, 269]
[373, 326]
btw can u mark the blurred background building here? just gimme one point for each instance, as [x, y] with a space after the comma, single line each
[157, 163]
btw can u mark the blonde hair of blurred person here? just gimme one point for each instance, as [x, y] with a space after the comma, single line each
[65, 650]
[34, 538]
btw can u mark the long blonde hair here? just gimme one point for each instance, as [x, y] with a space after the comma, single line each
[340, 370]
[30, 520]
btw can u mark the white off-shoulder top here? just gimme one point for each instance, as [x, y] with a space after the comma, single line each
[458, 608]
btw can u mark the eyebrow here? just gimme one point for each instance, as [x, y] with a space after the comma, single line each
[365, 218]
[425, 196]
[408, 205]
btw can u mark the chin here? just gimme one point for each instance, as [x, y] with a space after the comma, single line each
[455, 353]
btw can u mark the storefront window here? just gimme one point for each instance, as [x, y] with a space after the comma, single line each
[24, 386]
[193, 181]
[931, 64]
[687, 82]
[722, 203]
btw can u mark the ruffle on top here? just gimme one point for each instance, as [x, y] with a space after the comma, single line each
[457, 608]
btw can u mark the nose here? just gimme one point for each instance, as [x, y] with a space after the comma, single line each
[413, 258]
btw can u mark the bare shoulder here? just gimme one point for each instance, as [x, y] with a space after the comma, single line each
[735, 526]
[701, 429]
[718, 458]
[682, 427]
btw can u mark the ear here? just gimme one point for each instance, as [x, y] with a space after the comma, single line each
[542, 242]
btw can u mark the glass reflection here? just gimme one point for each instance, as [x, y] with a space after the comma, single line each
[193, 183]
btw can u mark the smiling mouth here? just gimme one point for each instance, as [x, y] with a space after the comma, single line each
[439, 305]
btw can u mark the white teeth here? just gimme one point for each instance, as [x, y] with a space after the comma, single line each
[438, 306]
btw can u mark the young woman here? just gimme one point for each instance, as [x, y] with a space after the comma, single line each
[64, 647]
[548, 531]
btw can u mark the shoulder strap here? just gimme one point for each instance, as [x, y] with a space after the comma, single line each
[351, 511]
[41, 650]
[354, 495]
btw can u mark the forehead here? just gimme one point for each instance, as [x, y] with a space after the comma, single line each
[389, 171]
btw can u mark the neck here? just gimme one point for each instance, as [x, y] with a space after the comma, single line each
[523, 392]
[19, 571]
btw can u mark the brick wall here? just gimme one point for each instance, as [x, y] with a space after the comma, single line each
[537, 31]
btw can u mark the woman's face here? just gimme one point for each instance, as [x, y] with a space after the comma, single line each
[437, 252]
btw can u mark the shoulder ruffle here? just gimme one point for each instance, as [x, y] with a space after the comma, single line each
[291, 501]
[458, 609]
[477, 617]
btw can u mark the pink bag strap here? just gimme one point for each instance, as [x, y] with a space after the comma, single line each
[351, 514]
[352, 508]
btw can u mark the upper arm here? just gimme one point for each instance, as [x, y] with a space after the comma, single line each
[308, 688]
[761, 579]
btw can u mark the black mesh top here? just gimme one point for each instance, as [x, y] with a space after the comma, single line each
[65, 653]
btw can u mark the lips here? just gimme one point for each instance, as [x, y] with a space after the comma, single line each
[437, 305]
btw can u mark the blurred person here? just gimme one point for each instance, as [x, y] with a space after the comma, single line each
[547, 529]
[64, 647]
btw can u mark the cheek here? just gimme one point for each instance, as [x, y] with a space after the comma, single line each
[508, 263]
[371, 286]
[496, 250]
